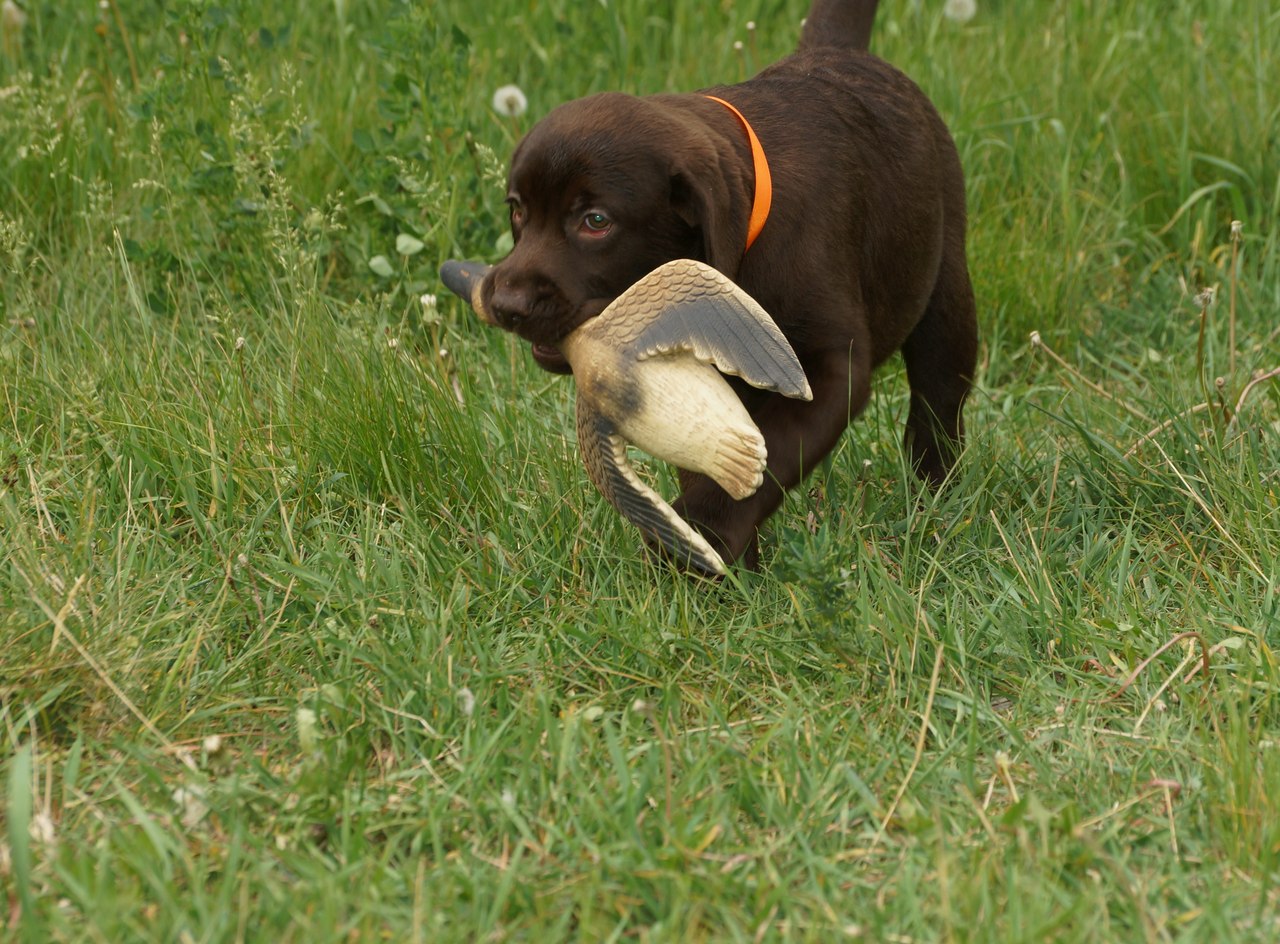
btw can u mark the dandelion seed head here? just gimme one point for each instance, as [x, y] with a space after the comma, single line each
[510, 101]
[1035, 338]
[1237, 228]
[240, 343]
[960, 11]
[466, 701]
[737, 45]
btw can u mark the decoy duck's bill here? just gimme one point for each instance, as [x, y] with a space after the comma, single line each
[464, 280]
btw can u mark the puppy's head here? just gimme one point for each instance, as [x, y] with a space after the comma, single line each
[602, 191]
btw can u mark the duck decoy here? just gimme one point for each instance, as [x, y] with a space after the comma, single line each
[648, 370]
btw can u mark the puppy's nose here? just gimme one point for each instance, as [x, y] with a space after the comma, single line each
[509, 305]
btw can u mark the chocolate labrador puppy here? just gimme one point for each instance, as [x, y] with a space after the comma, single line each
[861, 252]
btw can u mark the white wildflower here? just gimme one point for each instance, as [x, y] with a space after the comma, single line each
[240, 342]
[737, 45]
[305, 718]
[191, 805]
[510, 101]
[429, 301]
[212, 745]
[466, 701]
[960, 11]
[41, 828]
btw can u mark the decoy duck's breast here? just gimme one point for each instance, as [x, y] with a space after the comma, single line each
[607, 380]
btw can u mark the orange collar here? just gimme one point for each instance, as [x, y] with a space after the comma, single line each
[764, 182]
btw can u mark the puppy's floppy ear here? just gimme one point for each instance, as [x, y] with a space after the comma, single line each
[704, 195]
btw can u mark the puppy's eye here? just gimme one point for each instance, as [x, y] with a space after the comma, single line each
[596, 224]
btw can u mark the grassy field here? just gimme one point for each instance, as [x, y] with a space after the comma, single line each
[312, 628]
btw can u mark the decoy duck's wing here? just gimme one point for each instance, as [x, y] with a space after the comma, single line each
[687, 305]
[604, 454]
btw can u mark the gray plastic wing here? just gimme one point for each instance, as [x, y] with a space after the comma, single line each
[687, 305]
[604, 454]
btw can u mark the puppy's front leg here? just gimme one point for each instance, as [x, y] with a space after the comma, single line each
[798, 435]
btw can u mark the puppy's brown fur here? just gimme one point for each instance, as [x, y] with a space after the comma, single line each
[863, 253]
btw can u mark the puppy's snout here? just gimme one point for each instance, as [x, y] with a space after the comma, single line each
[509, 305]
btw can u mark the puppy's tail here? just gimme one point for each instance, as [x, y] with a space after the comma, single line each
[842, 23]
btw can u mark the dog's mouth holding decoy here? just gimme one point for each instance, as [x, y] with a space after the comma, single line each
[648, 369]
[466, 280]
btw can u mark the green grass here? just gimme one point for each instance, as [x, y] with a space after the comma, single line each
[313, 629]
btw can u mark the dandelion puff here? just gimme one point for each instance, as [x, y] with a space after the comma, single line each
[240, 342]
[466, 701]
[1237, 228]
[737, 45]
[510, 101]
[960, 11]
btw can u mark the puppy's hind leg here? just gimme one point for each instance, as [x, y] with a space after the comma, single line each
[941, 353]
